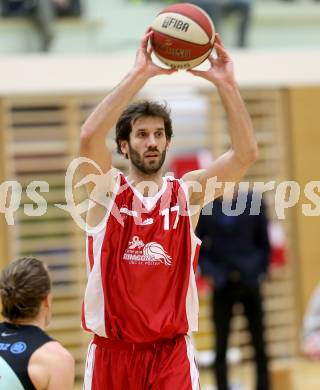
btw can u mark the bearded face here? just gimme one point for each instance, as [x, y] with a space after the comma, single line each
[150, 162]
[147, 146]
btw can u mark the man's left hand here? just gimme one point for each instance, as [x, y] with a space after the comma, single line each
[221, 70]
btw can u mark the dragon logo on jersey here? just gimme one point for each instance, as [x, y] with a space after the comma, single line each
[151, 253]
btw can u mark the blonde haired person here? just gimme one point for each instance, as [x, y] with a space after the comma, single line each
[29, 358]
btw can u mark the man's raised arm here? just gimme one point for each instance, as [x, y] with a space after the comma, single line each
[232, 165]
[103, 118]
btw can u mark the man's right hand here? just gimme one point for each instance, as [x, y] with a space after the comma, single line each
[144, 64]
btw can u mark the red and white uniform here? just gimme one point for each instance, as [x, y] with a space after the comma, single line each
[141, 283]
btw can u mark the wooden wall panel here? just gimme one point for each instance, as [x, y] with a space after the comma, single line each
[43, 136]
[304, 126]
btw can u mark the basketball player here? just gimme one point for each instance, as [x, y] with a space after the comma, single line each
[29, 358]
[141, 301]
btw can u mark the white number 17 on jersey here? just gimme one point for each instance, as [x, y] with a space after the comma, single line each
[166, 214]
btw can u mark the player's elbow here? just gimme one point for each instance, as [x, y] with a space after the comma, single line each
[85, 137]
[247, 157]
[88, 140]
[252, 154]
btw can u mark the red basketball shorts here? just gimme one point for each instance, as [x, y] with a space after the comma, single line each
[164, 365]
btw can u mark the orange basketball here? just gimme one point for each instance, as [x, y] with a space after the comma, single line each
[183, 36]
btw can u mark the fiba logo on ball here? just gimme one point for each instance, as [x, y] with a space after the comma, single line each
[175, 23]
[183, 36]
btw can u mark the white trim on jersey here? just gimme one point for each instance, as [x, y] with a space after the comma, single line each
[149, 201]
[194, 372]
[101, 226]
[186, 193]
[88, 375]
[94, 297]
[192, 301]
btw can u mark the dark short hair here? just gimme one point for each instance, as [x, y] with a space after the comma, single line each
[24, 283]
[137, 110]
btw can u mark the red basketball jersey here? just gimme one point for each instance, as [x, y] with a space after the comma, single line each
[141, 282]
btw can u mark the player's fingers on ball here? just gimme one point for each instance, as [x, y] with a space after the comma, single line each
[144, 43]
[221, 51]
[218, 47]
[145, 39]
[218, 39]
